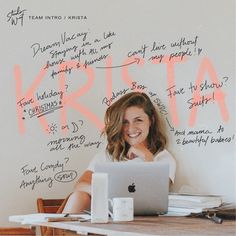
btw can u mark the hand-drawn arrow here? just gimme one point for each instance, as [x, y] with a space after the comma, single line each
[171, 128]
[136, 60]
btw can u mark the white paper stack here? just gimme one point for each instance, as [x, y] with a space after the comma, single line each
[185, 204]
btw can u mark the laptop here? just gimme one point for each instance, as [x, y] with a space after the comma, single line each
[146, 182]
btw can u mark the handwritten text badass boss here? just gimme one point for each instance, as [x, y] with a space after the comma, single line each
[70, 100]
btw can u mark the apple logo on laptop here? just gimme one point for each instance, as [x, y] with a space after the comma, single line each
[131, 188]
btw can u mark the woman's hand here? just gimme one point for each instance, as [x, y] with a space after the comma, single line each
[141, 151]
[84, 182]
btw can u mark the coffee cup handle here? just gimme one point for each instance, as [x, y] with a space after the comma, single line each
[110, 213]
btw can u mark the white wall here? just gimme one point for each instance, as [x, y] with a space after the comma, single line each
[29, 169]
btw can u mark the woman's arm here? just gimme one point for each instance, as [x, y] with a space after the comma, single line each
[84, 182]
[80, 199]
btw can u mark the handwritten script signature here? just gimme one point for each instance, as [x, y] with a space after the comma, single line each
[16, 16]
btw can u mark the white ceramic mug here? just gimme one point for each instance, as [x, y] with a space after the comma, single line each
[122, 208]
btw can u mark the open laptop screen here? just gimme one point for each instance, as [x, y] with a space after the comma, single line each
[146, 182]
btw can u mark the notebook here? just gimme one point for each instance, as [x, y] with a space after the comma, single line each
[146, 182]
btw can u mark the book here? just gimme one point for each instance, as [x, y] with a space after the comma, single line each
[194, 201]
[185, 211]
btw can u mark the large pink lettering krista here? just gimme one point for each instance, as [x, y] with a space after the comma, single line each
[207, 67]
[27, 96]
[69, 100]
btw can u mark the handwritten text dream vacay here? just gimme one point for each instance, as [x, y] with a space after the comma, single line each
[64, 38]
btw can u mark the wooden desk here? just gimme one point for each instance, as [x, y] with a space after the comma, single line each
[146, 226]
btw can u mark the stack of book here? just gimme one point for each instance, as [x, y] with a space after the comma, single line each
[185, 204]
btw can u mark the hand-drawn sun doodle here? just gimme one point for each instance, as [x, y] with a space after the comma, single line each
[52, 129]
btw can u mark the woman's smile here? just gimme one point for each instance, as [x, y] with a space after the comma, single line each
[134, 135]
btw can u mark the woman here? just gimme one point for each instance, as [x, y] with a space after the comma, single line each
[134, 133]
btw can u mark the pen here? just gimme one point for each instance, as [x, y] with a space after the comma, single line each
[87, 212]
[65, 218]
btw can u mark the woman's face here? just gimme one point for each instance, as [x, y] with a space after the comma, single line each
[136, 125]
